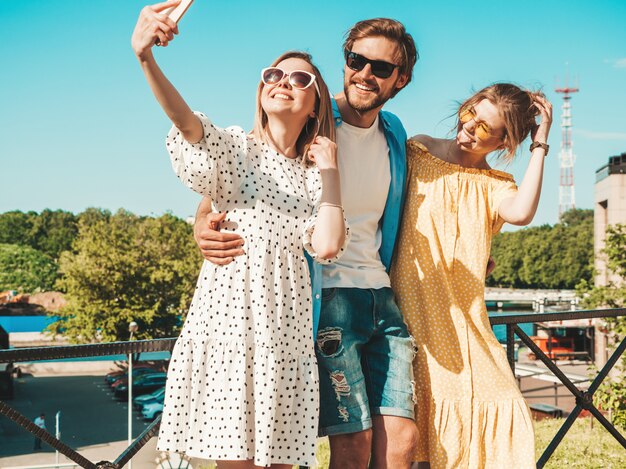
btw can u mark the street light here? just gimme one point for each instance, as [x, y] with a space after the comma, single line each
[132, 328]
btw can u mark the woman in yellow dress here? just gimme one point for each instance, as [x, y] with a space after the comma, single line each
[469, 410]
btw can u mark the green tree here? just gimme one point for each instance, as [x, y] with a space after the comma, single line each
[53, 232]
[123, 268]
[25, 269]
[16, 227]
[93, 215]
[612, 393]
[557, 256]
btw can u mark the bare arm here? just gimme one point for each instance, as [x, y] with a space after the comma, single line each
[520, 209]
[330, 231]
[152, 26]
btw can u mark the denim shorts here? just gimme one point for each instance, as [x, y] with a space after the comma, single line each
[364, 353]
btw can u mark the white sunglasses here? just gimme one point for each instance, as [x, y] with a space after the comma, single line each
[298, 79]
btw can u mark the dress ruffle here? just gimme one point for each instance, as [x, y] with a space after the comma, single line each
[211, 378]
[483, 426]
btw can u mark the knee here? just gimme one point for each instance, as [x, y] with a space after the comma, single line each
[351, 451]
[404, 442]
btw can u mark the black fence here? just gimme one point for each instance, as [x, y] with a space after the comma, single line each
[584, 399]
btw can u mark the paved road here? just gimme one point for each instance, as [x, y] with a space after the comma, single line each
[89, 413]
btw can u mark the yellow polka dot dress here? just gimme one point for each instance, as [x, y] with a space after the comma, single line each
[469, 410]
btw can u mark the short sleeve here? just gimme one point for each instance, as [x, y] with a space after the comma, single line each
[502, 190]
[214, 166]
[314, 185]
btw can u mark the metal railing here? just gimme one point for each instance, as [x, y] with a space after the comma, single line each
[584, 399]
[76, 351]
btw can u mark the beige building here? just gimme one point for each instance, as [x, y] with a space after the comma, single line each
[609, 209]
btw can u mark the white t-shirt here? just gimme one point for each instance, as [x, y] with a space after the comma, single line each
[41, 423]
[363, 158]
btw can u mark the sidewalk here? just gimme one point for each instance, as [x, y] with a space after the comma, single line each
[554, 393]
[145, 459]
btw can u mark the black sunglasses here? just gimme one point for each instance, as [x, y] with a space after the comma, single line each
[380, 68]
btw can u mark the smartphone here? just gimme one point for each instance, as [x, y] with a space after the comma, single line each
[177, 12]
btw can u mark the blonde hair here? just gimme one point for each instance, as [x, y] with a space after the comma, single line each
[516, 108]
[395, 32]
[322, 124]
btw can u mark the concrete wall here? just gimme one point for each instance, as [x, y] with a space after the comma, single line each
[609, 209]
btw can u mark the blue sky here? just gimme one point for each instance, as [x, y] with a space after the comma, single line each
[80, 128]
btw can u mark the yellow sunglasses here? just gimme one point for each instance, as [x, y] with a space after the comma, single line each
[482, 131]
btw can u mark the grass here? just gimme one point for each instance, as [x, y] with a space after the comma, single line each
[586, 446]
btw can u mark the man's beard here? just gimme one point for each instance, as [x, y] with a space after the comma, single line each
[378, 101]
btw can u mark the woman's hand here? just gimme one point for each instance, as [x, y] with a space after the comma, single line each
[153, 27]
[323, 152]
[541, 131]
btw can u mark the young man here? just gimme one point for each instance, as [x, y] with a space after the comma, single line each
[363, 348]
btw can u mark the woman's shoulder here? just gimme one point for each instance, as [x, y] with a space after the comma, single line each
[425, 146]
[422, 140]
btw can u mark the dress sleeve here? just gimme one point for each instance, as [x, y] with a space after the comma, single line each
[314, 185]
[214, 166]
[501, 191]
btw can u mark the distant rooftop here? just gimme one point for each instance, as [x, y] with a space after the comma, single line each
[616, 165]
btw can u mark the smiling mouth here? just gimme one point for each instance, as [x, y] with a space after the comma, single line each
[364, 87]
[281, 96]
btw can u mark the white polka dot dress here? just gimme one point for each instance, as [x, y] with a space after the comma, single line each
[242, 382]
[469, 412]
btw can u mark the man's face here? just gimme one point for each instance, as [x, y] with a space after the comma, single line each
[364, 91]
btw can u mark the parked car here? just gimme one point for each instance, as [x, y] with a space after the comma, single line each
[154, 396]
[138, 370]
[152, 411]
[142, 372]
[142, 385]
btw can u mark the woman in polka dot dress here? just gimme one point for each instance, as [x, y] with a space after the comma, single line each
[469, 410]
[242, 385]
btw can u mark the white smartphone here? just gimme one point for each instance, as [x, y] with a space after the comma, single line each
[177, 12]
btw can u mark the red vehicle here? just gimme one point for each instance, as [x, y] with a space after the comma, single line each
[555, 348]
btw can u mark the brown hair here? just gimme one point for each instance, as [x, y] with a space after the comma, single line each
[392, 30]
[516, 108]
[322, 125]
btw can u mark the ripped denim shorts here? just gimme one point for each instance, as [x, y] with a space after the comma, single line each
[364, 353]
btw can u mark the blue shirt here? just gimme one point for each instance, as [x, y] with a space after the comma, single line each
[390, 221]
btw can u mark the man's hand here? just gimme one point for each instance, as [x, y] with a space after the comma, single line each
[216, 247]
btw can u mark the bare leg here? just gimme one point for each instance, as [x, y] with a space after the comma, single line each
[350, 451]
[248, 464]
[393, 443]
